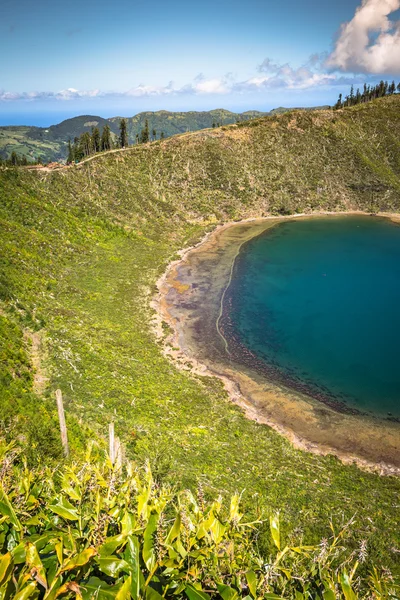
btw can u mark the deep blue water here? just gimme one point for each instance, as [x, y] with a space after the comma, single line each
[316, 304]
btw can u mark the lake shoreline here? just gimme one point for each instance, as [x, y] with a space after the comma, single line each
[308, 424]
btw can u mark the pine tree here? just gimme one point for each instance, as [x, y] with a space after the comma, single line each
[106, 138]
[162, 136]
[123, 133]
[145, 135]
[96, 142]
[76, 149]
[154, 134]
[70, 158]
[85, 144]
[338, 103]
[14, 158]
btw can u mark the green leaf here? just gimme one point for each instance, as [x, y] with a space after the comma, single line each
[26, 592]
[112, 565]
[194, 594]
[7, 510]
[19, 553]
[252, 583]
[65, 509]
[226, 592]
[132, 557]
[328, 595]
[152, 594]
[96, 588]
[128, 523]
[346, 587]
[148, 544]
[275, 530]
[217, 530]
[174, 531]
[6, 567]
[110, 546]
[35, 564]
[125, 592]
[79, 560]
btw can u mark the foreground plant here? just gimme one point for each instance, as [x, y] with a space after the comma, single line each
[94, 530]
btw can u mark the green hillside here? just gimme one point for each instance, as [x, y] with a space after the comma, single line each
[171, 123]
[52, 143]
[80, 251]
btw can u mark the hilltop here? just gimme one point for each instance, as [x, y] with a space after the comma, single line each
[51, 143]
[81, 250]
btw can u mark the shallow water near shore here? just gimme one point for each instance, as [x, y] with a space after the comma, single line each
[315, 304]
[196, 300]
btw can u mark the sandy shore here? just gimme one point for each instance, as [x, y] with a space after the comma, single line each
[189, 297]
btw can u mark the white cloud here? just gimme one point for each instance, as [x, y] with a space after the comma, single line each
[211, 86]
[67, 94]
[150, 90]
[271, 75]
[370, 42]
[285, 76]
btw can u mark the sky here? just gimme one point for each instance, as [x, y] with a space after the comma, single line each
[62, 59]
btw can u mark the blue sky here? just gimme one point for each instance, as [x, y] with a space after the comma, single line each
[122, 57]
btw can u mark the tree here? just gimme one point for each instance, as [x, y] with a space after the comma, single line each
[154, 134]
[162, 136]
[77, 150]
[123, 133]
[96, 142]
[145, 134]
[398, 88]
[85, 144]
[338, 103]
[71, 157]
[14, 159]
[106, 138]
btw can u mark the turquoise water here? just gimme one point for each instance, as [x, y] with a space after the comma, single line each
[315, 304]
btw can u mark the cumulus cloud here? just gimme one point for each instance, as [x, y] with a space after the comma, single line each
[67, 94]
[370, 42]
[269, 75]
[274, 75]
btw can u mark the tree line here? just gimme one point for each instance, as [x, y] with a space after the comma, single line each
[17, 160]
[91, 143]
[383, 88]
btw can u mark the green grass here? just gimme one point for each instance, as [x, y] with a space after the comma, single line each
[82, 249]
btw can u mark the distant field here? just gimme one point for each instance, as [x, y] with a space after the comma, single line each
[17, 139]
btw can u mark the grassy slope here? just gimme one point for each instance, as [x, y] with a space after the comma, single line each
[81, 252]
